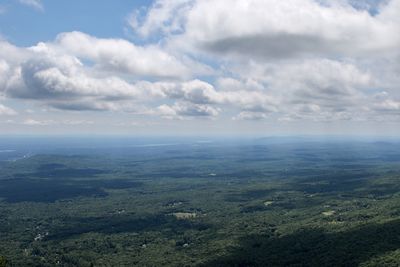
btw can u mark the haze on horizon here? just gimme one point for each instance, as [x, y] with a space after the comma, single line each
[256, 67]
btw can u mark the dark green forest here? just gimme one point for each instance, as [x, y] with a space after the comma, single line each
[261, 203]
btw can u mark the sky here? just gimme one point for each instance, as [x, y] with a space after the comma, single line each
[200, 67]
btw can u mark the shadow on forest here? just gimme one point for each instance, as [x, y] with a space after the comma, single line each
[55, 171]
[314, 247]
[50, 190]
[54, 181]
[124, 224]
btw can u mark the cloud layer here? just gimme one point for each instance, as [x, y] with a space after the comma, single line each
[294, 60]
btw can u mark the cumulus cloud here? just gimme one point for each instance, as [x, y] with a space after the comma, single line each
[303, 59]
[389, 105]
[202, 93]
[231, 84]
[319, 80]
[43, 79]
[4, 73]
[249, 115]
[385, 106]
[181, 110]
[62, 81]
[48, 74]
[317, 60]
[281, 29]
[194, 91]
[123, 56]
[12, 54]
[165, 17]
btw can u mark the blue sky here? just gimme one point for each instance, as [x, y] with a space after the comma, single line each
[24, 25]
[200, 67]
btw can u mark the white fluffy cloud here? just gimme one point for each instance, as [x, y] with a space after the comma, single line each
[61, 80]
[201, 93]
[250, 115]
[123, 56]
[181, 110]
[301, 59]
[246, 60]
[273, 29]
[165, 17]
